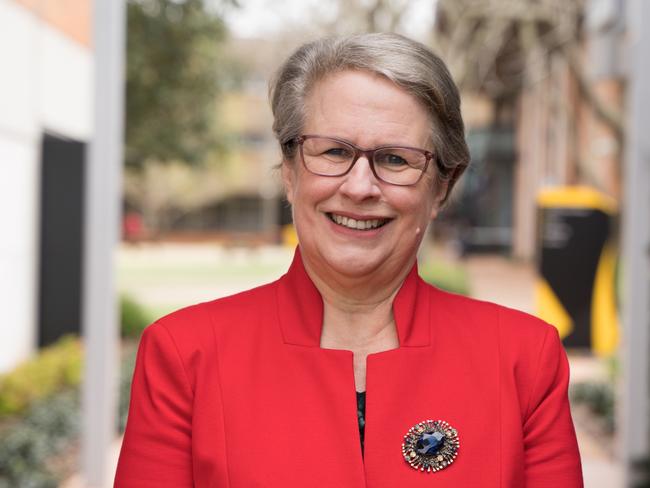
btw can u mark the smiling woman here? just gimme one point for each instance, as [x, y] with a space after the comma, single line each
[350, 370]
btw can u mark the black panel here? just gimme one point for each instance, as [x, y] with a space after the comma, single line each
[62, 182]
[572, 241]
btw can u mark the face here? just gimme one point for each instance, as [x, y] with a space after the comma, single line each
[367, 110]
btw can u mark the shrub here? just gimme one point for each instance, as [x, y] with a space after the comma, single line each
[447, 277]
[133, 318]
[56, 367]
[599, 398]
[48, 428]
[640, 473]
[40, 406]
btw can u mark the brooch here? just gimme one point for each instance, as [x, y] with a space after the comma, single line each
[430, 445]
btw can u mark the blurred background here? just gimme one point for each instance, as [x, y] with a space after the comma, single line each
[537, 222]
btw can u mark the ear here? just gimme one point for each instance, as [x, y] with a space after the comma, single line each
[441, 191]
[288, 179]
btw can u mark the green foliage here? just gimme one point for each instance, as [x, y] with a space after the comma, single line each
[133, 318]
[447, 277]
[613, 365]
[599, 398]
[172, 80]
[55, 367]
[49, 426]
[641, 473]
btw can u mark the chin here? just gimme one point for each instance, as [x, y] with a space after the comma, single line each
[357, 262]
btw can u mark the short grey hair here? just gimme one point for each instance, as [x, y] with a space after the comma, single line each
[407, 63]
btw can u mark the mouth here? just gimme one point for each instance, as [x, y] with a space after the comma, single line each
[357, 224]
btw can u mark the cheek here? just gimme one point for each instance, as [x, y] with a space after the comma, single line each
[300, 186]
[416, 205]
[312, 190]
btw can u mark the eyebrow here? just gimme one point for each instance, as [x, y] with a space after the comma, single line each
[390, 144]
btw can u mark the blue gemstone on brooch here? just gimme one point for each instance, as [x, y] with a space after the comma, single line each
[430, 445]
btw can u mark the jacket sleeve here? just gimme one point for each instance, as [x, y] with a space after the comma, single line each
[551, 454]
[157, 446]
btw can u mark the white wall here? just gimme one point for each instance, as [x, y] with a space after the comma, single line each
[45, 85]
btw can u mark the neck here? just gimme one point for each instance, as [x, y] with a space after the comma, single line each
[357, 310]
[358, 290]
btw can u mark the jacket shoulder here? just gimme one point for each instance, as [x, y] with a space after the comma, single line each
[525, 347]
[195, 328]
[194, 319]
[508, 322]
[516, 330]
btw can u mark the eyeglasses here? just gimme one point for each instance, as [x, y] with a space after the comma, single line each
[397, 165]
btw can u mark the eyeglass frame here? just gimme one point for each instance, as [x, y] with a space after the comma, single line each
[369, 154]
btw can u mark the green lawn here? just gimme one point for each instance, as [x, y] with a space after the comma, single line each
[164, 278]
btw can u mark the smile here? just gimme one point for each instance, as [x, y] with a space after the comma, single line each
[356, 224]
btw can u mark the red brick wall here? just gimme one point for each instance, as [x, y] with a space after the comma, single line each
[71, 17]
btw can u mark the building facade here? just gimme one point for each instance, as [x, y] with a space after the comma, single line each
[45, 121]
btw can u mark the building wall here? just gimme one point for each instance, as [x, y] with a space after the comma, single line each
[45, 86]
[69, 17]
[562, 141]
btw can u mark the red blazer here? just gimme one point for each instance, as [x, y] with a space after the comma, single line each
[237, 393]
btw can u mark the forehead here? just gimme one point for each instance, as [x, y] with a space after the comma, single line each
[367, 109]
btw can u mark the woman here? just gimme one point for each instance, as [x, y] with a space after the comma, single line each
[258, 389]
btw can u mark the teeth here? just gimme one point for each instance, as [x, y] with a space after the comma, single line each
[357, 224]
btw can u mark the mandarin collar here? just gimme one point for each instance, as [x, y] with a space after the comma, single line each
[300, 308]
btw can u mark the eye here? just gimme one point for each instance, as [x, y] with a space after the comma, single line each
[337, 152]
[392, 160]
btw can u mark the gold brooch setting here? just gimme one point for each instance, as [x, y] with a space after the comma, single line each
[430, 445]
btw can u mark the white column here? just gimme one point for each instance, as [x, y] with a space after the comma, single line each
[101, 226]
[636, 244]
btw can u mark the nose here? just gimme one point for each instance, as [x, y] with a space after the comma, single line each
[360, 183]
